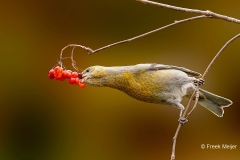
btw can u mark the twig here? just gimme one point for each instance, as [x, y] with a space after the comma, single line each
[91, 51]
[206, 13]
[175, 141]
[196, 95]
[219, 52]
[180, 125]
[73, 61]
[196, 92]
[214, 59]
[150, 32]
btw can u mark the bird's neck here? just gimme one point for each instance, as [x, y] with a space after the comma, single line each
[119, 77]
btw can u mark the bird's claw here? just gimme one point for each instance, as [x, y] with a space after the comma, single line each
[182, 120]
[199, 82]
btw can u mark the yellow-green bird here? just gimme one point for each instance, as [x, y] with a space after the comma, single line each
[155, 83]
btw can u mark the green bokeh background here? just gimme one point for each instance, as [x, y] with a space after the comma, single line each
[42, 119]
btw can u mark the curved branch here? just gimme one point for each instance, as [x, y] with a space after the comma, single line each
[150, 32]
[206, 13]
[91, 51]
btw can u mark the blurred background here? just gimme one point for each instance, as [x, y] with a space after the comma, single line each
[42, 119]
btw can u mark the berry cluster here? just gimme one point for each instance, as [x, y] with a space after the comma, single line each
[58, 73]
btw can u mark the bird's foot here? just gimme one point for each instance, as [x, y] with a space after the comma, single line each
[199, 82]
[182, 120]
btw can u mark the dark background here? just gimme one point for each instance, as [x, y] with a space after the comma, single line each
[42, 119]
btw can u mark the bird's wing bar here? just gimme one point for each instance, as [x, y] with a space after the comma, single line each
[155, 67]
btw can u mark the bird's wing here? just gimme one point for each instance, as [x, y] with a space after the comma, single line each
[155, 67]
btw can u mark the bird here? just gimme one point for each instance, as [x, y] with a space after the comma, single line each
[155, 83]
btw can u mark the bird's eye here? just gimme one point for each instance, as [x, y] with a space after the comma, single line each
[87, 70]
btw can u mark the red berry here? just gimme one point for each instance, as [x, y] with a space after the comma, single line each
[56, 68]
[58, 72]
[72, 80]
[77, 80]
[51, 72]
[74, 75]
[81, 85]
[51, 76]
[66, 74]
[69, 71]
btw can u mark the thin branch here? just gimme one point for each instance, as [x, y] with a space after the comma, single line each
[91, 51]
[213, 60]
[175, 141]
[196, 95]
[73, 61]
[150, 32]
[206, 13]
[219, 52]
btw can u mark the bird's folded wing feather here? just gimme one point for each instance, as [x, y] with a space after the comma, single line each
[155, 67]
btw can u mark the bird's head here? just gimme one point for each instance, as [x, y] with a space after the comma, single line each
[95, 75]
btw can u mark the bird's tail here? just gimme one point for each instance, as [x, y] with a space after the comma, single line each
[213, 103]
